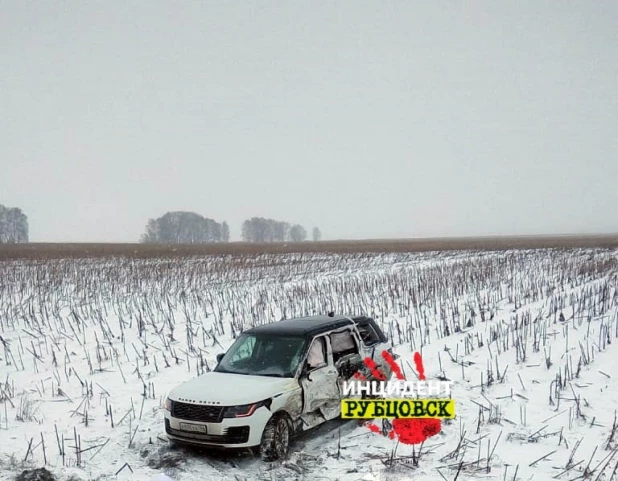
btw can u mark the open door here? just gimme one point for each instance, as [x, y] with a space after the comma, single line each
[374, 342]
[319, 383]
[347, 356]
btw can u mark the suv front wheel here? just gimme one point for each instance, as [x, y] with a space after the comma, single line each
[275, 439]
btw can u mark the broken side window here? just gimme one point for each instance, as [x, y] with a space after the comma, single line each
[343, 343]
[317, 354]
[368, 334]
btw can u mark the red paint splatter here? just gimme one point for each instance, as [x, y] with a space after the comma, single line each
[407, 431]
[418, 361]
[374, 428]
[373, 367]
[393, 365]
[416, 430]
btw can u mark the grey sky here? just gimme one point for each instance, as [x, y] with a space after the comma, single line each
[368, 119]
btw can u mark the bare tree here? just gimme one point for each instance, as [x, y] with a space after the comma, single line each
[225, 232]
[298, 233]
[13, 225]
[317, 235]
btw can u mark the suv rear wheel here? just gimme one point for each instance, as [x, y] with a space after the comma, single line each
[275, 439]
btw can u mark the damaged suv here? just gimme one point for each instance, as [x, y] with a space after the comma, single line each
[275, 381]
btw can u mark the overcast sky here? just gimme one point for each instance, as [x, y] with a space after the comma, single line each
[368, 119]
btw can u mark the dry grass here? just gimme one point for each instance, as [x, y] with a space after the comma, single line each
[143, 251]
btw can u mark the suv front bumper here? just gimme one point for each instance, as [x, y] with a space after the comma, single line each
[233, 433]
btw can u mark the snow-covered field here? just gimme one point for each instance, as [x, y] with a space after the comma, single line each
[89, 349]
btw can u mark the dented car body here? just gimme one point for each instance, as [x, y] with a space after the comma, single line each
[275, 381]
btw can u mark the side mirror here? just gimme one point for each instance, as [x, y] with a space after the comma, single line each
[220, 356]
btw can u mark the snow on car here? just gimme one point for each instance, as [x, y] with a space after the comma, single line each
[275, 381]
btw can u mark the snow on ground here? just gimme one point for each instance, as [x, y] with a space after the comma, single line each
[90, 348]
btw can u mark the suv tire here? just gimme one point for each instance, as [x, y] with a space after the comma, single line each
[275, 439]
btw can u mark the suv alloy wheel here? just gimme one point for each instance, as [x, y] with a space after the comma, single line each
[275, 439]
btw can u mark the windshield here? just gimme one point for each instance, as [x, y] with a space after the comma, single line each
[263, 355]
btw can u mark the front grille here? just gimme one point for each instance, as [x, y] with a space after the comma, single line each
[234, 435]
[196, 412]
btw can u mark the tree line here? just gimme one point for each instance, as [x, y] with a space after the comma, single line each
[178, 227]
[182, 227]
[13, 225]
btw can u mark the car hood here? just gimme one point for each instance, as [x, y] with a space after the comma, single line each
[226, 389]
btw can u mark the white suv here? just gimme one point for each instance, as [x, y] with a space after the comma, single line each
[275, 381]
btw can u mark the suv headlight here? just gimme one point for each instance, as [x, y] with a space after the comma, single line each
[244, 410]
[167, 405]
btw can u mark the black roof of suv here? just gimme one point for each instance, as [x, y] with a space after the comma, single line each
[304, 326]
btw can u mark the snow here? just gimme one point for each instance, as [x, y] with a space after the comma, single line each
[162, 477]
[93, 347]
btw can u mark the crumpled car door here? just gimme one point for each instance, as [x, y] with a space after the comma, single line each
[320, 382]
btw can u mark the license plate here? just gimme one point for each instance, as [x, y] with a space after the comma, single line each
[194, 428]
